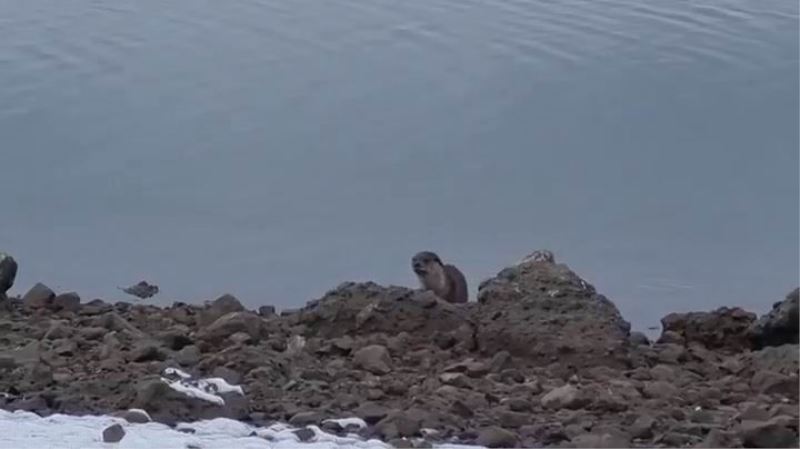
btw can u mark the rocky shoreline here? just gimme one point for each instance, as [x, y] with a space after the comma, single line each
[541, 359]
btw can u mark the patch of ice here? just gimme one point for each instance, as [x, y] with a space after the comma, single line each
[138, 410]
[345, 422]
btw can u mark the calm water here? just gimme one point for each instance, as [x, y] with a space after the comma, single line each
[274, 149]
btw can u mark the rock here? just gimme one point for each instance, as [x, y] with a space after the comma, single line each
[147, 352]
[720, 438]
[70, 302]
[455, 379]
[39, 296]
[398, 424]
[660, 389]
[753, 412]
[784, 359]
[141, 290]
[230, 376]
[57, 330]
[566, 396]
[220, 307]
[780, 325]
[305, 434]
[8, 273]
[513, 420]
[303, 419]
[401, 443]
[232, 323]
[642, 427]
[188, 356]
[496, 437]
[134, 416]
[639, 339]
[113, 434]
[722, 329]
[266, 311]
[545, 312]
[168, 406]
[770, 382]
[601, 440]
[367, 308]
[371, 412]
[772, 433]
[373, 358]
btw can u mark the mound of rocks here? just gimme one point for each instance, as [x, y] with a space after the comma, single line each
[541, 359]
[546, 313]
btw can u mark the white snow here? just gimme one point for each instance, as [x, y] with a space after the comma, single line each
[177, 372]
[221, 385]
[344, 422]
[25, 430]
[192, 391]
[205, 389]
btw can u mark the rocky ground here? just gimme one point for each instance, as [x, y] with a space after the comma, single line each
[541, 359]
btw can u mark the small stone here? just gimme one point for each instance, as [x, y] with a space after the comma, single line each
[642, 427]
[113, 433]
[772, 433]
[638, 339]
[566, 396]
[134, 416]
[147, 352]
[305, 434]
[401, 443]
[188, 356]
[513, 420]
[660, 390]
[373, 358]
[454, 379]
[461, 409]
[517, 404]
[496, 437]
[371, 412]
[601, 440]
[500, 361]
[70, 302]
[399, 424]
[306, 418]
[266, 311]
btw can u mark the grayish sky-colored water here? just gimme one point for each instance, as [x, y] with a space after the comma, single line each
[273, 149]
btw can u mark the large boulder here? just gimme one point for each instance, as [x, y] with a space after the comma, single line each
[38, 296]
[721, 329]
[780, 325]
[223, 305]
[231, 323]
[546, 313]
[368, 308]
[166, 405]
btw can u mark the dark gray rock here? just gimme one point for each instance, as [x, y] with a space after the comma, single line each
[772, 433]
[373, 358]
[305, 434]
[70, 302]
[496, 437]
[221, 306]
[39, 296]
[780, 325]
[266, 311]
[722, 329]
[113, 434]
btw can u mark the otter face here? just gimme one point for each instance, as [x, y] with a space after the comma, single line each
[425, 262]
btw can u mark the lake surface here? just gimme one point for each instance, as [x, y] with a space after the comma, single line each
[273, 149]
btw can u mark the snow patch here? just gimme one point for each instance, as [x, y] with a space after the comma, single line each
[205, 389]
[346, 422]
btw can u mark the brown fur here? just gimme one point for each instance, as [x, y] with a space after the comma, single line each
[446, 281]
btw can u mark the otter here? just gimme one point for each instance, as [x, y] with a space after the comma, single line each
[446, 281]
[8, 272]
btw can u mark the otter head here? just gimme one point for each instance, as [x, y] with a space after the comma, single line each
[429, 269]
